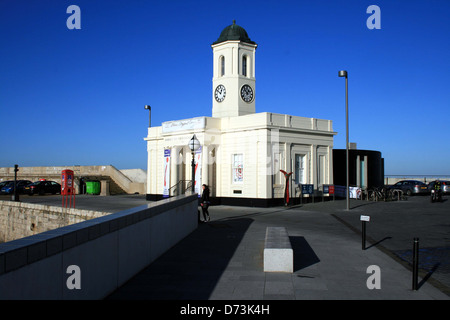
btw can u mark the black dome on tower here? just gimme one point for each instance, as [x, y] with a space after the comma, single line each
[234, 32]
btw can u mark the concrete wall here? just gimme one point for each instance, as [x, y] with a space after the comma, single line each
[118, 179]
[135, 175]
[389, 180]
[107, 250]
[19, 219]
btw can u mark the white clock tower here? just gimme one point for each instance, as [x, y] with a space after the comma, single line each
[234, 73]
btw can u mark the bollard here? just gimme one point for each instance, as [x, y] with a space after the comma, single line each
[415, 263]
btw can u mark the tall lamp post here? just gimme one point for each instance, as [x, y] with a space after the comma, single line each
[343, 73]
[194, 145]
[147, 107]
[15, 196]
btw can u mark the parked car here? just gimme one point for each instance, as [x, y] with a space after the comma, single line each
[42, 187]
[410, 187]
[9, 188]
[445, 186]
[4, 183]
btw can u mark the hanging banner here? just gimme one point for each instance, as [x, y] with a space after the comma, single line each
[355, 192]
[166, 173]
[198, 171]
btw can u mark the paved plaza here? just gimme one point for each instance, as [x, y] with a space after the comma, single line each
[223, 259]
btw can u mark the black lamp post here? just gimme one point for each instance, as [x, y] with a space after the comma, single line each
[343, 73]
[147, 107]
[194, 144]
[15, 196]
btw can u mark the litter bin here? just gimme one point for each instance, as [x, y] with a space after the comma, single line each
[93, 187]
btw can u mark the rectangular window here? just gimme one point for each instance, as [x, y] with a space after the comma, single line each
[300, 177]
[222, 66]
[237, 168]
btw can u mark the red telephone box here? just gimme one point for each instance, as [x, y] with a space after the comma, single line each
[67, 187]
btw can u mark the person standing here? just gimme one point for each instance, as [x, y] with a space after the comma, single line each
[205, 202]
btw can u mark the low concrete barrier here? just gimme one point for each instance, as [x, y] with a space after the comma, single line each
[91, 259]
[278, 253]
[21, 219]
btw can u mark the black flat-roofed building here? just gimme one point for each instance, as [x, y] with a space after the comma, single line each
[366, 168]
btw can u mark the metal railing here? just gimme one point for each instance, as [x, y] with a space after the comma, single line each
[180, 188]
[385, 194]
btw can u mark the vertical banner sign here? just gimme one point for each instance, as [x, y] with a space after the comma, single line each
[198, 171]
[355, 192]
[166, 173]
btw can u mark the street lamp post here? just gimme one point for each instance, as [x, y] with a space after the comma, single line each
[15, 196]
[194, 145]
[147, 107]
[343, 73]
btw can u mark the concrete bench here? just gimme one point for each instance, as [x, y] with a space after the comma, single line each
[278, 253]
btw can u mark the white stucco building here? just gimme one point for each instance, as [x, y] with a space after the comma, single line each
[242, 152]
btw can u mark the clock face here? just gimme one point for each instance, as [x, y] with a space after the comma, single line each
[220, 93]
[247, 93]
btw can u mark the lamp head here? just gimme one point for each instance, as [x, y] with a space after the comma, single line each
[147, 107]
[194, 144]
[343, 73]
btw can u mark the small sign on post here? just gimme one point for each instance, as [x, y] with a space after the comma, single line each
[308, 189]
[331, 189]
[328, 189]
[364, 219]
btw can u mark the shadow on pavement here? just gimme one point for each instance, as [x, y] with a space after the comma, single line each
[304, 255]
[428, 275]
[190, 269]
[376, 243]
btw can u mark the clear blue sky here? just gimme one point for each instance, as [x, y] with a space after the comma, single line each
[76, 97]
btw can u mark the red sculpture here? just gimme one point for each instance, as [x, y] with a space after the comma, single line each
[286, 191]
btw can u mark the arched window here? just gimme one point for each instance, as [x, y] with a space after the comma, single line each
[244, 65]
[222, 65]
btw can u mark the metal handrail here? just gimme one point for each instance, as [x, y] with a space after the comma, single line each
[173, 190]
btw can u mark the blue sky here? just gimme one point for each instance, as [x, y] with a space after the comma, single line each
[76, 97]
